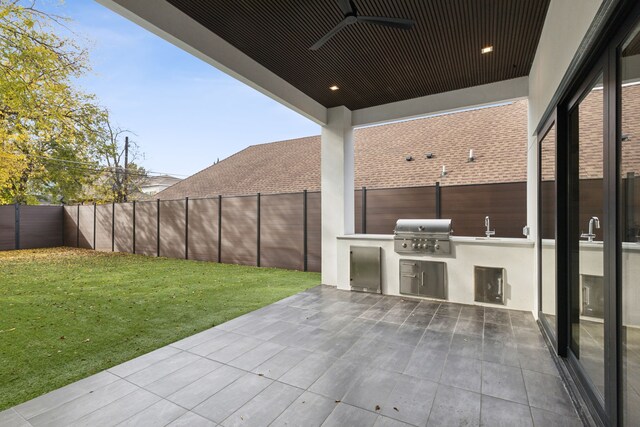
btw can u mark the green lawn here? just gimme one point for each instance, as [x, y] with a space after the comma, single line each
[69, 313]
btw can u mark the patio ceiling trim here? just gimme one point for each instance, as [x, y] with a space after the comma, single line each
[475, 96]
[168, 22]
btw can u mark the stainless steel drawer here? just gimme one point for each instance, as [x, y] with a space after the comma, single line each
[409, 267]
[409, 284]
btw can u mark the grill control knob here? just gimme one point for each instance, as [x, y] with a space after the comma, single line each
[413, 245]
[404, 245]
[437, 246]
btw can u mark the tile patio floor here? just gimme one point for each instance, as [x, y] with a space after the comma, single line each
[331, 358]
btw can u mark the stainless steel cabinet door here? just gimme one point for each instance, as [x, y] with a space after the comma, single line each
[365, 269]
[423, 278]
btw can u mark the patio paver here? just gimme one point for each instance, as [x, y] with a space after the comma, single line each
[329, 357]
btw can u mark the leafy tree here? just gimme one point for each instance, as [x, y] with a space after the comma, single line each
[10, 166]
[119, 182]
[50, 132]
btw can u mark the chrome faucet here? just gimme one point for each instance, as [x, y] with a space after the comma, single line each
[487, 223]
[590, 236]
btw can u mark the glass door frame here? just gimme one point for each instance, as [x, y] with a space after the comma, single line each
[572, 233]
[551, 333]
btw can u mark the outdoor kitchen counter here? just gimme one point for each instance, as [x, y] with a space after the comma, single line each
[516, 256]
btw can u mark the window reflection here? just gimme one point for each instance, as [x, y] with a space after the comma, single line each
[629, 217]
[548, 225]
[587, 286]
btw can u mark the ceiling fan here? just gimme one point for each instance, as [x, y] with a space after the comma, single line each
[351, 17]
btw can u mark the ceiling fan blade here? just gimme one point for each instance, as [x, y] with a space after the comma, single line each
[330, 34]
[402, 23]
[346, 6]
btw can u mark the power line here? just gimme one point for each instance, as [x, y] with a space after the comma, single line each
[115, 168]
[89, 166]
[104, 171]
[100, 169]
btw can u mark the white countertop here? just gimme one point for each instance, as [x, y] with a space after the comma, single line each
[366, 237]
[499, 241]
[596, 246]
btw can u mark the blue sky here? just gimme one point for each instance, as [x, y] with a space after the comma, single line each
[185, 113]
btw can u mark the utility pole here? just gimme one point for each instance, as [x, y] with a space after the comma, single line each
[125, 183]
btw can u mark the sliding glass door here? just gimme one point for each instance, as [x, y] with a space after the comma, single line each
[587, 284]
[589, 208]
[629, 220]
[548, 230]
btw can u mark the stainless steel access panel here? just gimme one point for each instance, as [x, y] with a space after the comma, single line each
[592, 296]
[489, 284]
[423, 278]
[365, 272]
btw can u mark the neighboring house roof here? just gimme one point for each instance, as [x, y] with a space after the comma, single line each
[150, 186]
[159, 181]
[497, 135]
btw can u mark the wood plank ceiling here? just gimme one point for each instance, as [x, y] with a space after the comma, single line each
[375, 65]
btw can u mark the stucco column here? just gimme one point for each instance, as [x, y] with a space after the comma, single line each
[337, 169]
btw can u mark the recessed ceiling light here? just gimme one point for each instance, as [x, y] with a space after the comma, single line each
[487, 49]
[334, 88]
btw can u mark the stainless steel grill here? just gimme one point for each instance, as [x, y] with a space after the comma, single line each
[422, 236]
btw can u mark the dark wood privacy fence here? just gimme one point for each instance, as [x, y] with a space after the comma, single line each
[589, 198]
[466, 205]
[270, 230]
[29, 227]
[274, 230]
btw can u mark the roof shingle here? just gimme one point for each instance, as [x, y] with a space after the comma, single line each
[497, 135]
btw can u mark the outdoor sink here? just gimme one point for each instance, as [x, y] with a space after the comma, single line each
[488, 238]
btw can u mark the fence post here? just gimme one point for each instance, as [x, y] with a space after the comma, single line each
[113, 226]
[186, 228]
[219, 227]
[17, 226]
[158, 227]
[94, 226]
[304, 228]
[134, 228]
[364, 211]
[77, 226]
[64, 239]
[258, 233]
[438, 205]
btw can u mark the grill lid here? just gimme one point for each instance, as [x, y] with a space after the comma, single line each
[423, 226]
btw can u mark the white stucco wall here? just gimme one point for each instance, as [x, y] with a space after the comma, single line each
[630, 288]
[564, 28]
[514, 255]
[549, 277]
[337, 181]
[592, 263]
